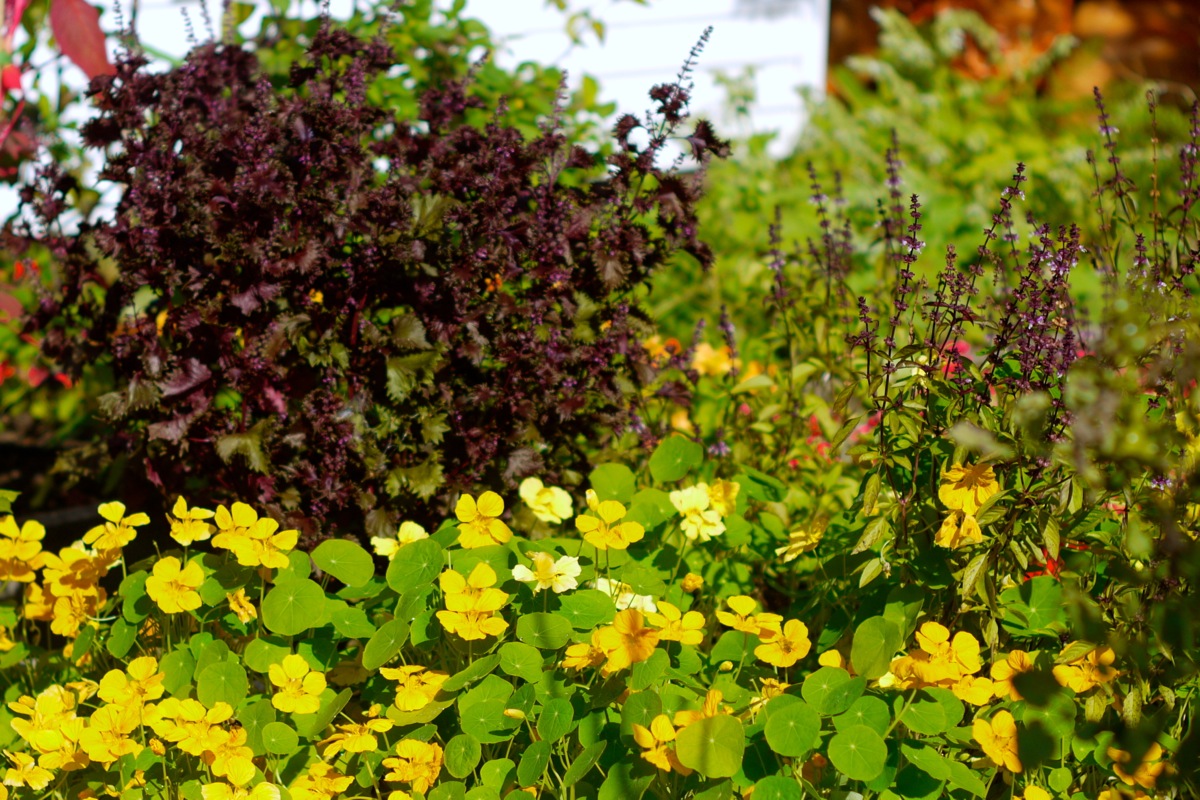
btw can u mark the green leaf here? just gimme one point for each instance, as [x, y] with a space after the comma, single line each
[486, 721]
[345, 561]
[965, 778]
[871, 494]
[931, 712]
[646, 673]
[875, 642]
[556, 720]
[136, 605]
[385, 644]
[640, 708]
[777, 787]
[858, 752]
[405, 373]
[254, 718]
[761, 486]
[293, 606]
[462, 755]
[521, 660]
[587, 609]
[280, 738]
[351, 621]
[867, 710]
[613, 482]
[793, 730]
[178, 666]
[263, 651]
[471, 673]
[418, 566]
[583, 763]
[626, 780]
[121, 637]
[248, 445]
[533, 763]
[712, 746]
[542, 630]
[224, 681]
[7, 498]
[831, 690]
[674, 457]
[926, 759]
[1034, 607]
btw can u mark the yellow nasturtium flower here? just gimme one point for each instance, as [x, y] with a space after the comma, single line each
[548, 503]
[321, 782]
[298, 687]
[803, 539]
[416, 686]
[655, 742]
[722, 496]
[117, 530]
[416, 763]
[1145, 773]
[700, 520]
[998, 738]
[786, 647]
[173, 586]
[558, 575]
[626, 642]
[964, 490]
[967, 488]
[225, 791]
[676, 626]
[741, 617]
[1090, 669]
[190, 525]
[603, 528]
[20, 550]
[480, 523]
[1003, 672]
[388, 546]
[140, 683]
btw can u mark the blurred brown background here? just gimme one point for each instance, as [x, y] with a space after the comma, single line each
[1119, 39]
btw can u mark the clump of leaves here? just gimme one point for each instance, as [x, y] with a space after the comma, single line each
[311, 302]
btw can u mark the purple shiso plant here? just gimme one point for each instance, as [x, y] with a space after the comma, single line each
[309, 304]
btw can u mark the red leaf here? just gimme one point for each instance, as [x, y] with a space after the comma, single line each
[13, 11]
[76, 27]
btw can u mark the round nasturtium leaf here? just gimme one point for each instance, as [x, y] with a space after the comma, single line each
[293, 606]
[279, 738]
[613, 482]
[831, 690]
[674, 457]
[417, 565]
[556, 720]
[583, 763]
[533, 763]
[712, 746]
[462, 755]
[224, 681]
[254, 717]
[859, 753]
[925, 715]
[777, 787]
[586, 609]
[178, 666]
[385, 644]
[867, 710]
[793, 730]
[521, 661]
[542, 630]
[344, 560]
[875, 642]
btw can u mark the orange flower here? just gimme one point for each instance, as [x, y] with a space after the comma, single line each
[625, 642]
